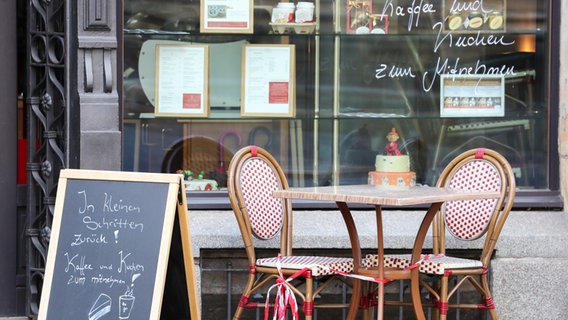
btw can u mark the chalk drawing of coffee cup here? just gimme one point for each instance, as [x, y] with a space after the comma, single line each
[125, 303]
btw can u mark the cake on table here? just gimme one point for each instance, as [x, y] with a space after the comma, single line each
[393, 168]
[199, 183]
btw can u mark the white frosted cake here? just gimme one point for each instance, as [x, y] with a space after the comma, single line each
[392, 163]
[392, 171]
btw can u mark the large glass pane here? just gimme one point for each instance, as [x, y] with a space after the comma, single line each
[394, 80]
[368, 67]
[204, 146]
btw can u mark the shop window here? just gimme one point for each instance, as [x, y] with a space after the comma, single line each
[447, 75]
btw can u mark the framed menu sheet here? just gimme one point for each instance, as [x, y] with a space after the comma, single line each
[269, 74]
[182, 80]
[224, 16]
[472, 96]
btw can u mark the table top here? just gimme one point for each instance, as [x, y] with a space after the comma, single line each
[381, 195]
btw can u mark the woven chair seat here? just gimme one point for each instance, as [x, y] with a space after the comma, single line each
[319, 266]
[434, 264]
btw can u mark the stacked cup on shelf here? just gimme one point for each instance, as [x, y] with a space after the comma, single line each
[283, 13]
[304, 12]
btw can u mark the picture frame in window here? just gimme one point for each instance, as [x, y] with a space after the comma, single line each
[465, 96]
[182, 80]
[268, 80]
[223, 16]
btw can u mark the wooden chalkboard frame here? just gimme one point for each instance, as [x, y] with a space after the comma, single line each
[175, 206]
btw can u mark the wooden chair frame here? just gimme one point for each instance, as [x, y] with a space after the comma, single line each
[439, 289]
[478, 277]
[262, 276]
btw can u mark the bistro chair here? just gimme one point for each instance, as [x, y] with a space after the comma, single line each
[478, 169]
[252, 177]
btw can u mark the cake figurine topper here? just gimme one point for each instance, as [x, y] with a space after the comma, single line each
[393, 168]
[392, 146]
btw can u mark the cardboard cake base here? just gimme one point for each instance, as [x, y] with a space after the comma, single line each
[407, 179]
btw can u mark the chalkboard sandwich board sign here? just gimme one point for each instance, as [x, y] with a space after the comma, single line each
[113, 245]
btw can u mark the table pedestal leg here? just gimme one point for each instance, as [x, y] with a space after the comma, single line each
[380, 255]
[357, 259]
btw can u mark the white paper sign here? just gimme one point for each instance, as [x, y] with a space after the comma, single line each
[269, 78]
[182, 80]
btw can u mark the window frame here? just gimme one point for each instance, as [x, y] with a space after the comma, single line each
[546, 198]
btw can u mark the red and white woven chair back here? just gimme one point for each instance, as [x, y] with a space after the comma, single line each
[468, 220]
[266, 213]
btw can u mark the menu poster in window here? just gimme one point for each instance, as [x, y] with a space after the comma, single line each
[182, 80]
[472, 96]
[269, 73]
[224, 16]
[119, 248]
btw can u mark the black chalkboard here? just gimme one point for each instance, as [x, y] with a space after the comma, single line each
[109, 254]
